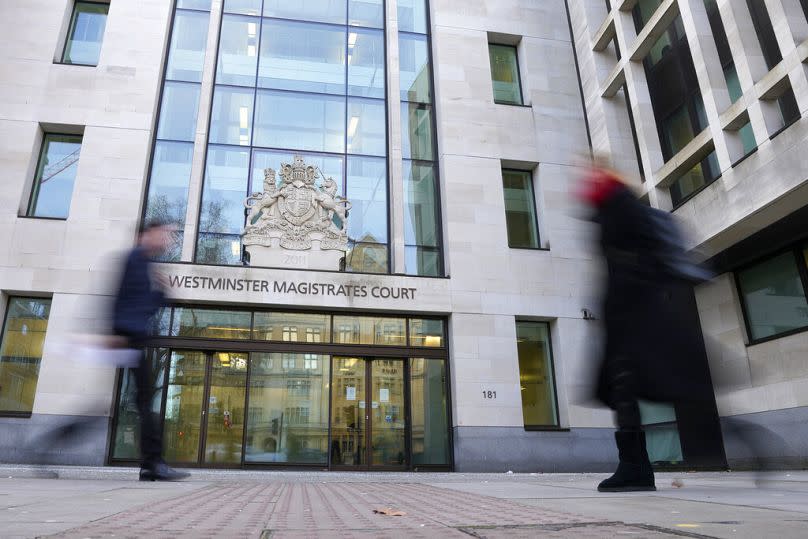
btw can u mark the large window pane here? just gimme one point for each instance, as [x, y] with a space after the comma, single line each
[367, 258]
[774, 296]
[238, 50]
[415, 71]
[220, 249]
[244, 7]
[505, 74]
[367, 192]
[366, 63]
[189, 38]
[412, 16]
[292, 327]
[536, 374]
[520, 209]
[366, 13]
[56, 172]
[328, 165]
[287, 420]
[333, 11]
[125, 442]
[701, 175]
[302, 56]
[26, 323]
[168, 189]
[86, 33]
[211, 323]
[430, 416]
[194, 4]
[300, 121]
[426, 332]
[416, 131]
[420, 215]
[366, 127]
[178, 111]
[182, 425]
[423, 261]
[369, 330]
[232, 116]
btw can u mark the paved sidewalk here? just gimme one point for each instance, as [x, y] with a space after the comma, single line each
[108, 502]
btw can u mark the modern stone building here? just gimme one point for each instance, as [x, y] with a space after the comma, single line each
[379, 263]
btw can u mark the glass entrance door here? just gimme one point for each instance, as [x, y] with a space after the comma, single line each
[368, 419]
[205, 408]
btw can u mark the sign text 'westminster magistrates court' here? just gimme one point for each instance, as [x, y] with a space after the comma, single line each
[290, 287]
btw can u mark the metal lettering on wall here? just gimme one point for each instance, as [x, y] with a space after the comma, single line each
[290, 287]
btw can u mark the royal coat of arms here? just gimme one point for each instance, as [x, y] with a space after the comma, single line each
[296, 214]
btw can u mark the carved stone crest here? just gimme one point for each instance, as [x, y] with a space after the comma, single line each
[295, 214]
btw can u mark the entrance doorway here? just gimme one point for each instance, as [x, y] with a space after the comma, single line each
[204, 408]
[369, 419]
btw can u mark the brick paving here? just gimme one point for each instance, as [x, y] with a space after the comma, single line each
[291, 510]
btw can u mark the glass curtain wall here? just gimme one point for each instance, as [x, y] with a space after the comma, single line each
[173, 152]
[302, 79]
[422, 235]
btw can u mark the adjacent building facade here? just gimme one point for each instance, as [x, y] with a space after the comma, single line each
[379, 263]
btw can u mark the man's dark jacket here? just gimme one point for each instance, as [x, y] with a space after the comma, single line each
[651, 326]
[138, 300]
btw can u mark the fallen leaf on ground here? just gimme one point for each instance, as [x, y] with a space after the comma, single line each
[677, 483]
[390, 512]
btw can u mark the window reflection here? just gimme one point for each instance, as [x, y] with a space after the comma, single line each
[366, 71]
[244, 7]
[369, 330]
[367, 258]
[332, 11]
[367, 191]
[366, 13]
[366, 127]
[232, 116]
[416, 131]
[86, 33]
[292, 327]
[412, 16]
[520, 209]
[55, 175]
[211, 323]
[303, 57]
[189, 39]
[287, 420]
[178, 111]
[426, 332]
[414, 68]
[238, 50]
[536, 374]
[430, 419]
[302, 121]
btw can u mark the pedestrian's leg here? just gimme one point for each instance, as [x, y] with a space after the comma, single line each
[151, 439]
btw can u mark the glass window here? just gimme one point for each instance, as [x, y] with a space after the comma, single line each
[366, 63]
[189, 38]
[765, 32]
[212, 323]
[416, 131]
[221, 218]
[243, 7]
[369, 330]
[287, 420]
[328, 165]
[367, 258]
[333, 11]
[194, 4]
[238, 50]
[520, 209]
[292, 327]
[366, 13]
[178, 111]
[26, 323]
[366, 127]
[536, 374]
[774, 296]
[505, 74]
[302, 56]
[232, 116]
[789, 110]
[430, 416]
[367, 191]
[300, 121]
[424, 261]
[747, 138]
[125, 442]
[86, 33]
[701, 175]
[55, 175]
[412, 16]
[168, 188]
[426, 332]
[415, 71]
[420, 208]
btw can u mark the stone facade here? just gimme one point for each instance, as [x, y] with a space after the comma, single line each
[487, 287]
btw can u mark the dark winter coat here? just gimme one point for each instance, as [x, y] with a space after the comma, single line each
[138, 300]
[650, 318]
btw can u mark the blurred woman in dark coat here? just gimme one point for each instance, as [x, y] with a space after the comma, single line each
[648, 353]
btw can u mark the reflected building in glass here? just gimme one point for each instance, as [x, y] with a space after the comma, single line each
[379, 263]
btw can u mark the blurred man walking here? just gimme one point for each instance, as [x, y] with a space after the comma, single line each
[140, 296]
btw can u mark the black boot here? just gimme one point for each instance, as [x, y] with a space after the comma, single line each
[634, 472]
[161, 471]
